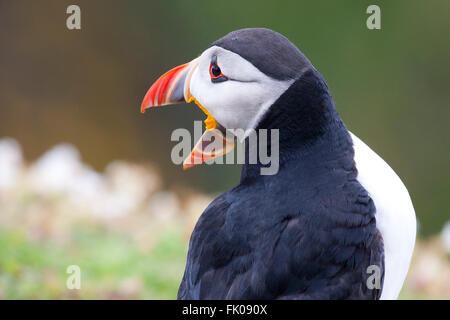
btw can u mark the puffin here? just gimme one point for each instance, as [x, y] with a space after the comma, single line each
[334, 216]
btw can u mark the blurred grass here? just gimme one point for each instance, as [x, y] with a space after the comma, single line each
[111, 266]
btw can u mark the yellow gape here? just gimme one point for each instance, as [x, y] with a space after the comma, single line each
[210, 122]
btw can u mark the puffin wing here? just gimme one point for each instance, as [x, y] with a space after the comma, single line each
[327, 269]
[330, 249]
[198, 279]
[319, 252]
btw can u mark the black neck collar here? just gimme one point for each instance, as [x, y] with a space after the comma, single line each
[307, 121]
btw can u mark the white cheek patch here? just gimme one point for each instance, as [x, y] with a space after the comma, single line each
[240, 102]
[276, 89]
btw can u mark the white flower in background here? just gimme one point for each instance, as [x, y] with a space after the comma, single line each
[163, 206]
[127, 181]
[122, 189]
[60, 171]
[127, 188]
[445, 236]
[11, 163]
[55, 170]
[85, 187]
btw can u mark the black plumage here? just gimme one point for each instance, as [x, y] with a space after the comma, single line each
[269, 51]
[308, 232]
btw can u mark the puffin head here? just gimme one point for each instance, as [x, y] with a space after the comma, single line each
[235, 81]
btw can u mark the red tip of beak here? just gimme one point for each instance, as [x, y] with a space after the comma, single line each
[148, 99]
[163, 91]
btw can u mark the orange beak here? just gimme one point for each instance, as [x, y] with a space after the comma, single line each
[172, 88]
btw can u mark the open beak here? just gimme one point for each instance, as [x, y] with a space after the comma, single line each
[174, 87]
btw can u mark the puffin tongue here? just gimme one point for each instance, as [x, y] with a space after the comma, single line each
[212, 144]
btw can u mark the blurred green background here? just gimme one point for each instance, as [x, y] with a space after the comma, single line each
[84, 87]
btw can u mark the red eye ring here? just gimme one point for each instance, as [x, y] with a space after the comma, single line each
[215, 73]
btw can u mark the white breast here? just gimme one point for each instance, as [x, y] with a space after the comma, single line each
[395, 215]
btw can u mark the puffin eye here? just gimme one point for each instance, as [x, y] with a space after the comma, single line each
[215, 72]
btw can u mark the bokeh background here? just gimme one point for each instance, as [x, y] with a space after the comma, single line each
[87, 180]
